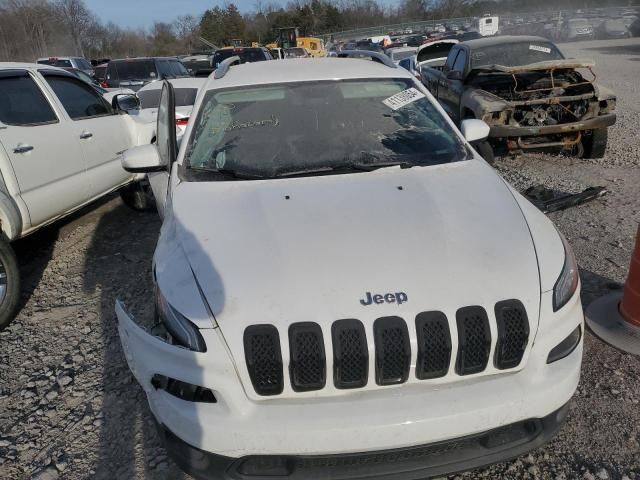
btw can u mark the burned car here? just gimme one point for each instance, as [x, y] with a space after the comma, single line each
[532, 97]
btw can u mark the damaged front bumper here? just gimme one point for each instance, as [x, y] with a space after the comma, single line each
[234, 427]
[506, 131]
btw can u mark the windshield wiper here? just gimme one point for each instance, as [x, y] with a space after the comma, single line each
[346, 168]
[228, 172]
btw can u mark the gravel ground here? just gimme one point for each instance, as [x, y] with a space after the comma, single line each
[70, 409]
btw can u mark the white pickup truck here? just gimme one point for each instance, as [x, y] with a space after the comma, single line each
[60, 146]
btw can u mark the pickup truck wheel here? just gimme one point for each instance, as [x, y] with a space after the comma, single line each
[9, 283]
[485, 150]
[138, 196]
[595, 144]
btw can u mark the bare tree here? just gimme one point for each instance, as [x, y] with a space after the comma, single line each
[78, 20]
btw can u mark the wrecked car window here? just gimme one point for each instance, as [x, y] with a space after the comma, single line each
[273, 130]
[515, 54]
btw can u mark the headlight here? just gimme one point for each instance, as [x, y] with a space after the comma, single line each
[567, 282]
[183, 332]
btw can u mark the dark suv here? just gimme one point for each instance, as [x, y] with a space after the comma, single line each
[246, 54]
[134, 73]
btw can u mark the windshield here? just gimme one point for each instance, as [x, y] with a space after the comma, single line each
[276, 130]
[136, 69]
[615, 26]
[245, 54]
[56, 62]
[437, 50]
[579, 22]
[400, 55]
[151, 98]
[515, 54]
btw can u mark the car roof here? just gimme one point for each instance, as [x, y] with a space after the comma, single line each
[27, 66]
[187, 82]
[304, 70]
[57, 58]
[501, 40]
[134, 59]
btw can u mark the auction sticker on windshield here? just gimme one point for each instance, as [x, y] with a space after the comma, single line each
[403, 98]
[538, 48]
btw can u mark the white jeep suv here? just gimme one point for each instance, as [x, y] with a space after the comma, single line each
[343, 287]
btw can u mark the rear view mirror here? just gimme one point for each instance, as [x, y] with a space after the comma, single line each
[143, 159]
[454, 75]
[124, 102]
[474, 130]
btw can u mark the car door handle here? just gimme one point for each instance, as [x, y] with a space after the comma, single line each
[23, 148]
[84, 135]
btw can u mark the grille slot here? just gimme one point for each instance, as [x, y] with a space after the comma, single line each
[350, 354]
[393, 350]
[474, 340]
[434, 345]
[513, 333]
[264, 359]
[308, 363]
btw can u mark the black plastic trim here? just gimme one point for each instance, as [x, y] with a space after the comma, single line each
[297, 356]
[270, 331]
[337, 328]
[426, 345]
[385, 349]
[464, 365]
[501, 353]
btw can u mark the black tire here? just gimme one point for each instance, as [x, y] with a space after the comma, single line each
[595, 143]
[486, 151]
[10, 281]
[138, 196]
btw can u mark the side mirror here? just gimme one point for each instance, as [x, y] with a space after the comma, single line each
[124, 102]
[454, 75]
[474, 130]
[143, 159]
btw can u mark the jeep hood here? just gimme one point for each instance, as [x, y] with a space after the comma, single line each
[308, 249]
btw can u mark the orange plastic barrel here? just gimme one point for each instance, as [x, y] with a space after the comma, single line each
[630, 304]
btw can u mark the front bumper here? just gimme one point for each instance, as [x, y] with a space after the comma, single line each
[409, 463]
[505, 131]
[351, 421]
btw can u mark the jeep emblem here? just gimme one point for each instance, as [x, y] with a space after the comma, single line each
[377, 298]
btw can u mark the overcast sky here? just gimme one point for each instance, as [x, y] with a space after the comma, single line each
[142, 13]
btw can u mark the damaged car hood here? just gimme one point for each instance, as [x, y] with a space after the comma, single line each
[565, 63]
[311, 248]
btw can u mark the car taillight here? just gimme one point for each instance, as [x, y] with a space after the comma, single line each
[104, 84]
[182, 122]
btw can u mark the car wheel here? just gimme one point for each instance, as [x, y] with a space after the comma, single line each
[485, 150]
[595, 143]
[138, 196]
[9, 282]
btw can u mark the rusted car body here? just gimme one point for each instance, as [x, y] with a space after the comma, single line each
[546, 104]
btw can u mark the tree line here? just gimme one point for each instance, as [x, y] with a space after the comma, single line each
[30, 29]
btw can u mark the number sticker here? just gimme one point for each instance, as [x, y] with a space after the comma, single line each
[399, 100]
[540, 49]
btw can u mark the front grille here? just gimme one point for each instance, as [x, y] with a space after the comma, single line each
[513, 333]
[393, 350]
[474, 340]
[350, 354]
[306, 348]
[308, 362]
[434, 345]
[264, 360]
